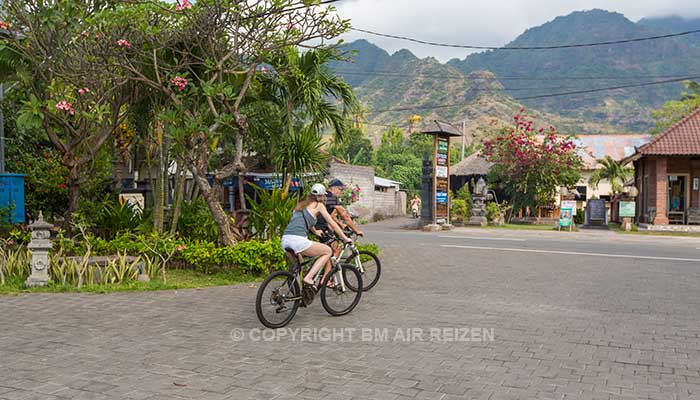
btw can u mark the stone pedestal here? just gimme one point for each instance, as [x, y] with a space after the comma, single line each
[40, 247]
[478, 213]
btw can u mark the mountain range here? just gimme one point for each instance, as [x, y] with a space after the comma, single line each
[489, 87]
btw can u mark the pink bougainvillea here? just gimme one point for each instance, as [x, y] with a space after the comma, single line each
[4, 25]
[183, 5]
[180, 82]
[124, 43]
[531, 166]
[83, 90]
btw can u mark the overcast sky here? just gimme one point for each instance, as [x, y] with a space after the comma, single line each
[481, 22]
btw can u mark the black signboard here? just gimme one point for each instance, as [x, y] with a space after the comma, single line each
[596, 210]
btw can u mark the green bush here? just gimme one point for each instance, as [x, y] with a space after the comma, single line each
[493, 212]
[196, 222]
[459, 210]
[371, 247]
[252, 257]
[580, 216]
[270, 212]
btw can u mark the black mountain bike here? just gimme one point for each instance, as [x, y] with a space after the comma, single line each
[282, 292]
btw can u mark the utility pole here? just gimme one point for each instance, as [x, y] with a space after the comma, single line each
[464, 133]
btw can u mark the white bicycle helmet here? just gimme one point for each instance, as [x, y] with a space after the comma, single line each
[318, 190]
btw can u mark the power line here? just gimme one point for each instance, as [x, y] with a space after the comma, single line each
[547, 95]
[565, 46]
[513, 77]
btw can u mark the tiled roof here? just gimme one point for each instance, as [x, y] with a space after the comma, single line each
[683, 138]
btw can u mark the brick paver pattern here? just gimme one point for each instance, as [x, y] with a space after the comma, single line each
[565, 328]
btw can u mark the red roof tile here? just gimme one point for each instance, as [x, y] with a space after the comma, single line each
[683, 138]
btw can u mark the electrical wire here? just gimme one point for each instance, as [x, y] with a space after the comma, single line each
[565, 46]
[550, 95]
[463, 76]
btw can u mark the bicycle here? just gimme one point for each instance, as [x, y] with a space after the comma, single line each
[366, 262]
[286, 293]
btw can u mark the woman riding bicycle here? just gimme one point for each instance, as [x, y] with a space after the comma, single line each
[295, 236]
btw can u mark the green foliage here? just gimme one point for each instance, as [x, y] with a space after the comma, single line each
[493, 212]
[354, 148]
[14, 262]
[371, 247]
[196, 222]
[114, 218]
[459, 211]
[45, 180]
[252, 257]
[271, 212]
[400, 159]
[580, 216]
[673, 111]
[300, 153]
[465, 194]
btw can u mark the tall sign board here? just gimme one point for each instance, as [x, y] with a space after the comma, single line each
[441, 132]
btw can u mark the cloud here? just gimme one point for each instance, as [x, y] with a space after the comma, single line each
[481, 22]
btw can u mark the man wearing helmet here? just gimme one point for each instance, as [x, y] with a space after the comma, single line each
[305, 216]
[335, 209]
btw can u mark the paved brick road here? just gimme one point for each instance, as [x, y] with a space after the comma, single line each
[565, 328]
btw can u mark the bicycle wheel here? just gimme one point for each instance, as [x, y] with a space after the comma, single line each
[337, 301]
[371, 268]
[278, 299]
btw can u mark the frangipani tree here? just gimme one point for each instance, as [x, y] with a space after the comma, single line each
[77, 102]
[205, 58]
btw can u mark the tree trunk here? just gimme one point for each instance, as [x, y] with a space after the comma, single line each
[226, 235]
[161, 183]
[179, 195]
[73, 196]
[241, 192]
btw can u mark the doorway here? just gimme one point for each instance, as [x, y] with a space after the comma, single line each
[677, 198]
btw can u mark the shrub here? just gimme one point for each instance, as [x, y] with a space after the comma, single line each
[459, 210]
[371, 247]
[271, 212]
[252, 257]
[493, 212]
[196, 222]
[580, 216]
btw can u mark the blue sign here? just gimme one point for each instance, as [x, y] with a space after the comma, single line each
[263, 182]
[441, 197]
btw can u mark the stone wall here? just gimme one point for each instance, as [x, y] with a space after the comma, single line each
[390, 203]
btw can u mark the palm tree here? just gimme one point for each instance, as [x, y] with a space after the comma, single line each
[612, 171]
[310, 98]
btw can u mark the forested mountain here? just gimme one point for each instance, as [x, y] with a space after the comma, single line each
[491, 83]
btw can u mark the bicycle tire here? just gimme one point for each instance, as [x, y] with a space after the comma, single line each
[368, 279]
[328, 293]
[260, 299]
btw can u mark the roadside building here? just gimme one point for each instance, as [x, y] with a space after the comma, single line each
[667, 175]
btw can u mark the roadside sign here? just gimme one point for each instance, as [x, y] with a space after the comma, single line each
[441, 172]
[441, 197]
[565, 217]
[569, 204]
[628, 208]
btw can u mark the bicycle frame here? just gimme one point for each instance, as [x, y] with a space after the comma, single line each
[338, 280]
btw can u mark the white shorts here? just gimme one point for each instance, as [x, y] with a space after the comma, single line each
[296, 243]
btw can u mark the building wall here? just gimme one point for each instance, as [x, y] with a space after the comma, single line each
[389, 203]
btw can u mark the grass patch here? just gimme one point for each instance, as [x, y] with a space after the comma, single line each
[176, 279]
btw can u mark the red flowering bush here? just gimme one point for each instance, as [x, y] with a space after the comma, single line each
[532, 166]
